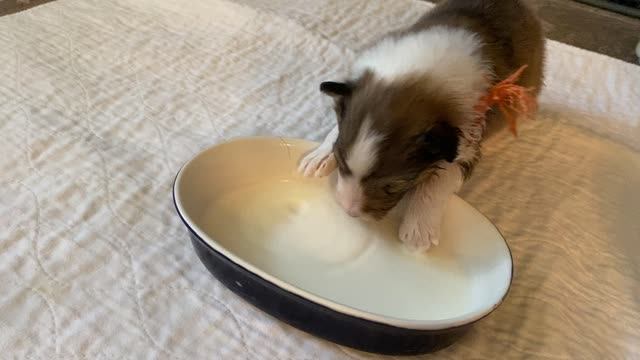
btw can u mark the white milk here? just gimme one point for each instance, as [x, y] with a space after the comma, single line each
[294, 230]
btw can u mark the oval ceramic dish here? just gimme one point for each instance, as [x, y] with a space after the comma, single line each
[279, 241]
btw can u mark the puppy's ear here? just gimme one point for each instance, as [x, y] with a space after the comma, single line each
[440, 142]
[336, 89]
[341, 93]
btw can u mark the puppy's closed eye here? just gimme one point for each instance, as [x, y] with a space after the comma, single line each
[395, 187]
[389, 189]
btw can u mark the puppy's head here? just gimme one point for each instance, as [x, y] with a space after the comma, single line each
[391, 135]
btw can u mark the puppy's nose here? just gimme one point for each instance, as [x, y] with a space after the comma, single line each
[353, 212]
[349, 206]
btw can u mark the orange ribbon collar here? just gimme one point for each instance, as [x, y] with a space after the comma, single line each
[512, 100]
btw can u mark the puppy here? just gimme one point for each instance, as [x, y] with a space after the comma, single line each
[407, 124]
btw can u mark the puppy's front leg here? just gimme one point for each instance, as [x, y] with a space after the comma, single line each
[420, 227]
[320, 162]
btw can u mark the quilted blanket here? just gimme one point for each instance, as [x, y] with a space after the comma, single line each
[101, 102]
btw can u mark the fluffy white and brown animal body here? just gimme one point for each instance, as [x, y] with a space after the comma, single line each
[407, 122]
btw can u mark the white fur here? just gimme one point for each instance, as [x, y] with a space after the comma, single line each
[451, 55]
[360, 158]
[451, 58]
[420, 227]
[362, 155]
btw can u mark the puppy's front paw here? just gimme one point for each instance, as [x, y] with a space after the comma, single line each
[318, 163]
[419, 233]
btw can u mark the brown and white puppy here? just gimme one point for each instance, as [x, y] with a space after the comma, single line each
[407, 127]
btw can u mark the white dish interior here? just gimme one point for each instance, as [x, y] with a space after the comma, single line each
[246, 200]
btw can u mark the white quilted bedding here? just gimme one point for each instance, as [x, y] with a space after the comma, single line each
[102, 101]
